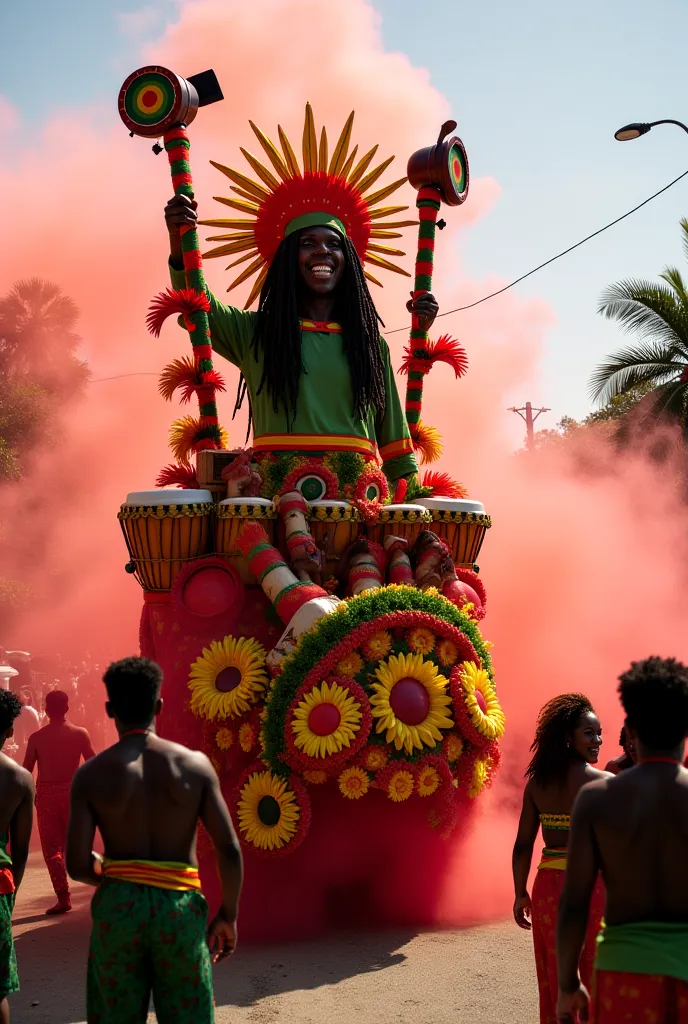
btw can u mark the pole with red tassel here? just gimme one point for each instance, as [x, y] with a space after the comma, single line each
[155, 102]
[440, 174]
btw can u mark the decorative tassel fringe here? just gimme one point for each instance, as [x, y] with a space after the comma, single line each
[179, 475]
[182, 374]
[427, 441]
[184, 302]
[441, 485]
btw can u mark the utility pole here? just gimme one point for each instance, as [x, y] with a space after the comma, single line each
[526, 413]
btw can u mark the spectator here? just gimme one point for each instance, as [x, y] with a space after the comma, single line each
[57, 748]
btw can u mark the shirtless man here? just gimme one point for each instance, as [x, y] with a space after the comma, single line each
[16, 821]
[625, 760]
[57, 748]
[146, 796]
[634, 828]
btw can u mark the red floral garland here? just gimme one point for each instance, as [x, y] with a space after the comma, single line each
[373, 748]
[462, 715]
[302, 799]
[372, 476]
[316, 469]
[298, 760]
[391, 621]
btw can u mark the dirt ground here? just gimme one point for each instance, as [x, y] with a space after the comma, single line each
[484, 975]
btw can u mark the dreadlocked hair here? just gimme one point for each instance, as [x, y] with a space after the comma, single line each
[556, 721]
[277, 334]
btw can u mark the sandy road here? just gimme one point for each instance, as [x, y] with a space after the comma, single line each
[480, 975]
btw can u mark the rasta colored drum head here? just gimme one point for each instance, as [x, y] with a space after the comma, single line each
[443, 166]
[154, 99]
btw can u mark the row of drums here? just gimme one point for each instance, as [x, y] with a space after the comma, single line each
[166, 528]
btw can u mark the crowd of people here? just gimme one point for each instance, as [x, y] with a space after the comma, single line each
[146, 797]
[609, 905]
[608, 908]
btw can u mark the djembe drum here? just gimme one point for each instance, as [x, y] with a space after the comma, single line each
[164, 529]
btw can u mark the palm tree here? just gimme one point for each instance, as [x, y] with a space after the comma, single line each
[37, 336]
[657, 363]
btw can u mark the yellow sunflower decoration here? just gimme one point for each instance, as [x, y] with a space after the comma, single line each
[453, 747]
[378, 645]
[421, 640]
[400, 785]
[350, 665]
[267, 811]
[428, 780]
[224, 738]
[479, 776]
[354, 783]
[247, 737]
[483, 708]
[315, 777]
[447, 653]
[326, 720]
[410, 702]
[227, 678]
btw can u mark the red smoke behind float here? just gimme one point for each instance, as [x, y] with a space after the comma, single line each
[583, 573]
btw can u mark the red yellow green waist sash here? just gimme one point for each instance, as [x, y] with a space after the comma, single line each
[331, 443]
[157, 873]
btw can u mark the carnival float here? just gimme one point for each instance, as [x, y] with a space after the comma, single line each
[314, 603]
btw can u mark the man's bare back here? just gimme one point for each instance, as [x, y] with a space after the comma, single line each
[639, 820]
[57, 748]
[146, 796]
[16, 797]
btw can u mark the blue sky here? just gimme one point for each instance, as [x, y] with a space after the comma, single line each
[538, 90]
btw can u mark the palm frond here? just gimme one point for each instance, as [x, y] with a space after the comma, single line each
[646, 309]
[672, 276]
[645, 363]
[684, 235]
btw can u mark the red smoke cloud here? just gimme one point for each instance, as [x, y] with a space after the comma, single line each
[583, 574]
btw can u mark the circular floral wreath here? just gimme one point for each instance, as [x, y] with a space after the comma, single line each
[370, 624]
[312, 468]
[273, 814]
[327, 724]
[227, 679]
[372, 486]
[479, 714]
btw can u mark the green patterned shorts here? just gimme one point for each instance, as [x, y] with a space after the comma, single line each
[9, 979]
[147, 941]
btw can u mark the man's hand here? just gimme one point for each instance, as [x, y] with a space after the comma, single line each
[222, 938]
[573, 1007]
[523, 912]
[180, 212]
[426, 309]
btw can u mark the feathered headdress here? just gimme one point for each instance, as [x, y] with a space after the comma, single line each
[330, 189]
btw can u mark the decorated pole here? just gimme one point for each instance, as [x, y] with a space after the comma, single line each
[440, 174]
[153, 103]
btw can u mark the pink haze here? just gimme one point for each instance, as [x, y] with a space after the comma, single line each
[583, 574]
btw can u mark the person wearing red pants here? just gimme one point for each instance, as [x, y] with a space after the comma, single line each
[57, 749]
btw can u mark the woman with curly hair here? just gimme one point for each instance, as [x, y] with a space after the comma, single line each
[567, 743]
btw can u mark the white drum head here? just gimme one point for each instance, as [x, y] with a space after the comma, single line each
[264, 502]
[168, 496]
[452, 505]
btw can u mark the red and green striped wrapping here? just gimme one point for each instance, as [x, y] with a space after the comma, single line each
[177, 146]
[428, 203]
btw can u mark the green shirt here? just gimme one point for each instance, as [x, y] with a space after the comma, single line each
[644, 947]
[325, 402]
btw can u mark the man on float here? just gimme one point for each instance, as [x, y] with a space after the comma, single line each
[318, 374]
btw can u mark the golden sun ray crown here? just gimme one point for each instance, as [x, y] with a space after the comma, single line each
[337, 185]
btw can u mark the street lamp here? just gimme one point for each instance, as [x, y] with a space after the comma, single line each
[638, 128]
